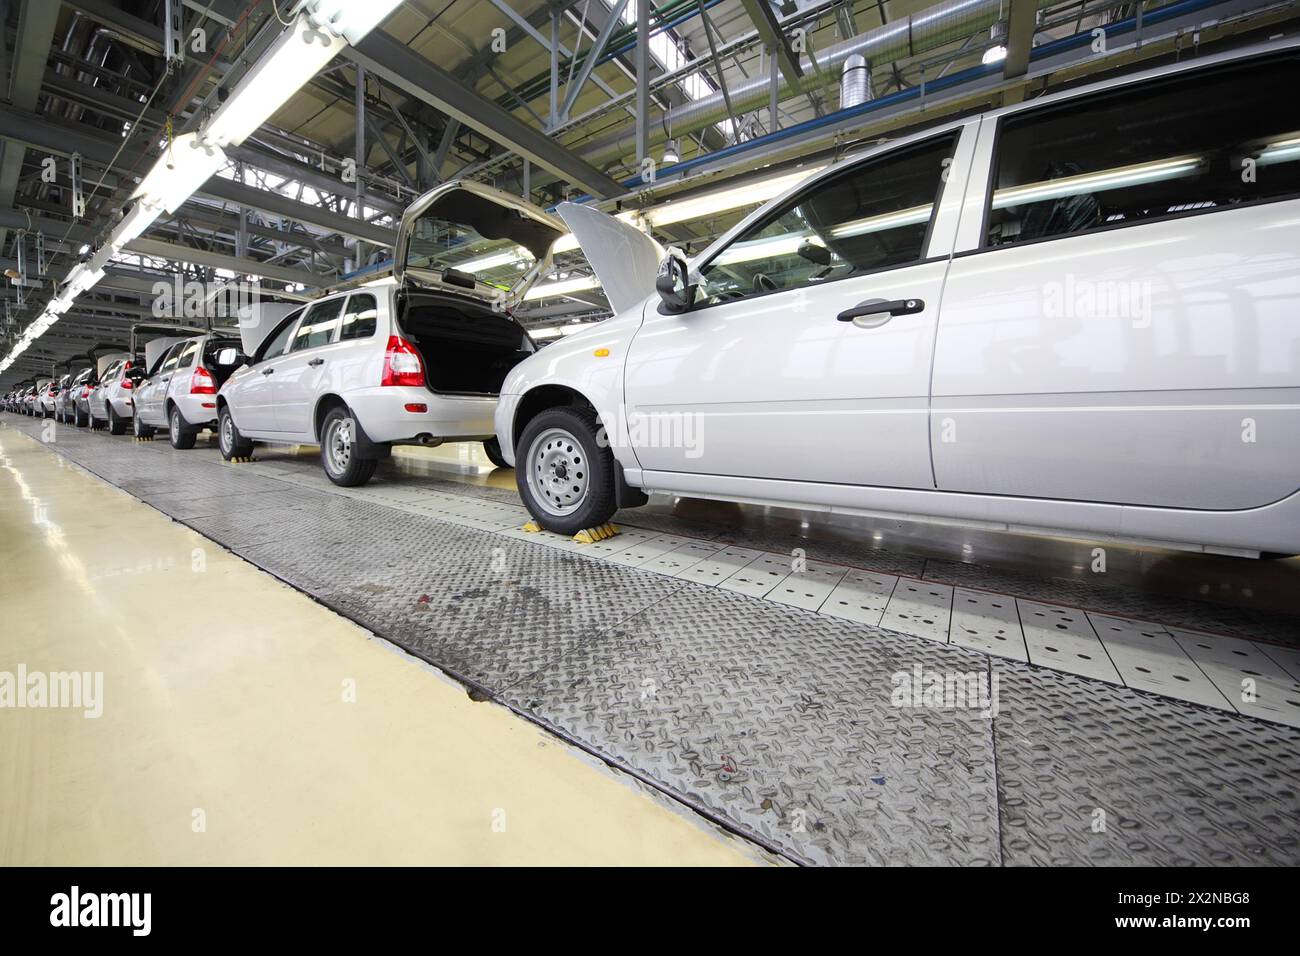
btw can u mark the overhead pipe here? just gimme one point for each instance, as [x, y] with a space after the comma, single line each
[855, 81]
[920, 32]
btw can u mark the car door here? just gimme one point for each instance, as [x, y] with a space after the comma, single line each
[251, 390]
[150, 400]
[1119, 323]
[807, 356]
[298, 372]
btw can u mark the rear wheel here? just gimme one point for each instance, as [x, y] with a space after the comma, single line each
[116, 424]
[79, 419]
[492, 448]
[565, 476]
[139, 428]
[181, 435]
[338, 451]
[233, 444]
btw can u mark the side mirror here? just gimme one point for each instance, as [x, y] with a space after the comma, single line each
[673, 284]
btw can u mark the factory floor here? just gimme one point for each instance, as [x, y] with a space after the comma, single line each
[240, 722]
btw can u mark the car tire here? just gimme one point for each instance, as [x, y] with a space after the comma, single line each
[564, 473]
[233, 444]
[140, 429]
[116, 424]
[338, 454]
[492, 448]
[77, 418]
[181, 435]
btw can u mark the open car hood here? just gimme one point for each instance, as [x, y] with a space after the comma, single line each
[261, 320]
[465, 229]
[104, 361]
[625, 259]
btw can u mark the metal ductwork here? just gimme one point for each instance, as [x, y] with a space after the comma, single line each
[855, 81]
[944, 23]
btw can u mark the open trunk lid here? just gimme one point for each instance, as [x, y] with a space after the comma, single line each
[625, 259]
[469, 239]
[259, 322]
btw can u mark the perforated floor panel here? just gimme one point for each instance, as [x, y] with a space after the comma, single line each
[911, 711]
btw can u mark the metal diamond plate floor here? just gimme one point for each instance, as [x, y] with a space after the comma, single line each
[793, 706]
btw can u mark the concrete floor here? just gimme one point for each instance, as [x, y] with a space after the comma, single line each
[225, 735]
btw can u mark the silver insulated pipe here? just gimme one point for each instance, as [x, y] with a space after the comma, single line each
[855, 81]
[925, 30]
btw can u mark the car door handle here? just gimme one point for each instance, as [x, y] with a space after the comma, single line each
[267, 371]
[885, 307]
[316, 361]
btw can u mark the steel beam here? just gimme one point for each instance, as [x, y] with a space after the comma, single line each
[769, 30]
[589, 62]
[1021, 20]
[217, 260]
[36, 22]
[416, 77]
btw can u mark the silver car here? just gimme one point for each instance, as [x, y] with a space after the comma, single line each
[181, 393]
[113, 401]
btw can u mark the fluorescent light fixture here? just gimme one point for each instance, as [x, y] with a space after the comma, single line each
[351, 19]
[297, 55]
[139, 219]
[765, 248]
[546, 290]
[184, 166]
[1282, 151]
[1118, 178]
[724, 200]
[882, 222]
[553, 332]
[494, 261]
[672, 152]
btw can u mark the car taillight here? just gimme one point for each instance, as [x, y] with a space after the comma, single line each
[126, 383]
[202, 382]
[402, 365]
[85, 391]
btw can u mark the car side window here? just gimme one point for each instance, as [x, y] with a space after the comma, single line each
[360, 317]
[185, 357]
[173, 353]
[873, 215]
[319, 326]
[1172, 146]
[277, 340]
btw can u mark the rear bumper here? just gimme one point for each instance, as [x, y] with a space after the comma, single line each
[382, 412]
[199, 411]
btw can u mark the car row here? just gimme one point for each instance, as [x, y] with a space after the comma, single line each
[1075, 313]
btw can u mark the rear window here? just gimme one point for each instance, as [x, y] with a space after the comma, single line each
[1176, 146]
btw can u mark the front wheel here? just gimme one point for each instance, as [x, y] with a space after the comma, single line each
[181, 435]
[139, 428]
[79, 419]
[233, 444]
[492, 448]
[565, 475]
[338, 451]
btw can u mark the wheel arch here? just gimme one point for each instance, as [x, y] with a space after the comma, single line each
[539, 399]
[324, 404]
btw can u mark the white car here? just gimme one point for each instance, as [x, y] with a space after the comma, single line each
[417, 359]
[1078, 313]
[113, 401]
[180, 392]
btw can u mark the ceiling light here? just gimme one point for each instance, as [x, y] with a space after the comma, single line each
[1118, 178]
[547, 290]
[672, 152]
[351, 19]
[297, 55]
[184, 166]
[994, 54]
[724, 200]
